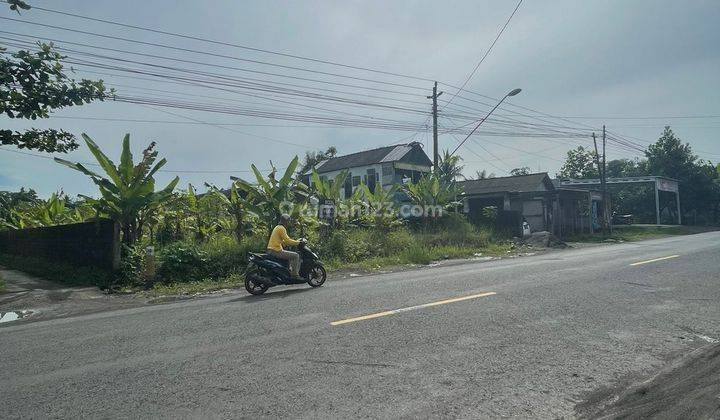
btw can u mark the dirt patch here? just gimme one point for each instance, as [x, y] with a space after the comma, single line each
[688, 388]
[38, 299]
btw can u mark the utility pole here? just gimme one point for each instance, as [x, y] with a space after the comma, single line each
[606, 207]
[436, 154]
[601, 175]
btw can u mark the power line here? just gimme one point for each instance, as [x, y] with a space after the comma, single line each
[106, 48]
[207, 53]
[228, 44]
[486, 53]
[161, 170]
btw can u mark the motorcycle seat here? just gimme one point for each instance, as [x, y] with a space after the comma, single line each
[269, 257]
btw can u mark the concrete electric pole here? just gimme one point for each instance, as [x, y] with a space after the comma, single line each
[436, 153]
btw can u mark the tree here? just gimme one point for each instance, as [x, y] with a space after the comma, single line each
[328, 190]
[239, 208]
[18, 4]
[525, 170]
[312, 159]
[449, 168]
[380, 205]
[620, 168]
[483, 174]
[430, 191]
[272, 197]
[32, 86]
[579, 164]
[127, 191]
[670, 157]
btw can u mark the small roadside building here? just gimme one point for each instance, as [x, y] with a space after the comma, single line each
[384, 166]
[534, 199]
[660, 204]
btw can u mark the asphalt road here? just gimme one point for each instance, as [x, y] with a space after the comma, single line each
[558, 327]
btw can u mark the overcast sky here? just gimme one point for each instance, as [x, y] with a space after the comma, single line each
[604, 60]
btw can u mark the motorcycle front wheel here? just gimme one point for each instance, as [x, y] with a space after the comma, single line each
[317, 276]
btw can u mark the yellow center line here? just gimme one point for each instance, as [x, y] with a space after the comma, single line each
[654, 259]
[410, 308]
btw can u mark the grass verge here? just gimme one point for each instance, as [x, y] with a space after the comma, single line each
[204, 286]
[641, 233]
[419, 255]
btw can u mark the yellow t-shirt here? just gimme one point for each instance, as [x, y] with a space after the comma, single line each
[279, 237]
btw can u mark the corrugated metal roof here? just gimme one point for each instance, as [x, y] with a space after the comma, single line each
[397, 153]
[521, 183]
[368, 157]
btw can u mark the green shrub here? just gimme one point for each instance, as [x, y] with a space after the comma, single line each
[220, 257]
[132, 266]
[224, 256]
[416, 254]
[181, 262]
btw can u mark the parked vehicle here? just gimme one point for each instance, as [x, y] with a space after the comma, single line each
[266, 271]
[622, 219]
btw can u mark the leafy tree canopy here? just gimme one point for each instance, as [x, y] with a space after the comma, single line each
[520, 171]
[449, 168]
[484, 174]
[312, 159]
[579, 163]
[33, 85]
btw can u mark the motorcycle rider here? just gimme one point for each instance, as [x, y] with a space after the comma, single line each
[280, 238]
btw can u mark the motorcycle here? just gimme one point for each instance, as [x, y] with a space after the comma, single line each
[266, 271]
[622, 219]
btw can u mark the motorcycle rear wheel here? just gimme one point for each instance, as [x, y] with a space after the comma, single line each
[317, 276]
[255, 288]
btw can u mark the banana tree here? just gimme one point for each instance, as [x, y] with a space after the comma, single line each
[272, 196]
[328, 190]
[433, 195]
[239, 208]
[127, 190]
[380, 205]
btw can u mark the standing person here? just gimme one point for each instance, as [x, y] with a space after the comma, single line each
[280, 238]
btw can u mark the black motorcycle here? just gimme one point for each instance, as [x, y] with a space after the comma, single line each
[266, 271]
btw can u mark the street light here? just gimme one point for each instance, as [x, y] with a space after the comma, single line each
[511, 93]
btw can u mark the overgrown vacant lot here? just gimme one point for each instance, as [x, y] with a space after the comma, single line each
[186, 266]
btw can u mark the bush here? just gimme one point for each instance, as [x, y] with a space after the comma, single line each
[221, 257]
[416, 254]
[225, 256]
[132, 266]
[181, 262]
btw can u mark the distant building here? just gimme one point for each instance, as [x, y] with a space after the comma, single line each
[533, 198]
[665, 196]
[384, 166]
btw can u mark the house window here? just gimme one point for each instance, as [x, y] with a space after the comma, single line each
[348, 187]
[387, 169]
[371, 179]
[355, 181]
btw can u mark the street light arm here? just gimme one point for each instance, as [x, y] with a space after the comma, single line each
[511, 93]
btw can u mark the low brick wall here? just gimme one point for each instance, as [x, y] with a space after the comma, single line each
[94, 243]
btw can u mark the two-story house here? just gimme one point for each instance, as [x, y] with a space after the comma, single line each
[384, 166]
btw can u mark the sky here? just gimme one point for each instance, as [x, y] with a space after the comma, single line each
[634, 66]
